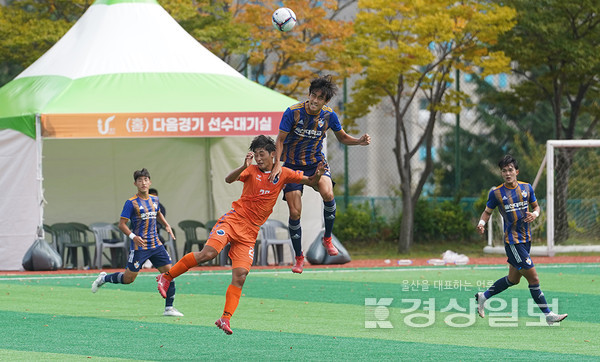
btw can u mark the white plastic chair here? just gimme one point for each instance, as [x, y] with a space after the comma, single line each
[108, 236]
[268, 237]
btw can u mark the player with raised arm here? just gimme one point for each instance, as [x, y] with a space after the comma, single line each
[514, 200]
[239, 227]
[302, 130]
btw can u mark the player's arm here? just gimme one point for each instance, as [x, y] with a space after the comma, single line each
[161, 219]
[530, 216]
[313, 180]
[276, 171]
[235, 174]
[138, 240]
[346, 139]
[485, 217]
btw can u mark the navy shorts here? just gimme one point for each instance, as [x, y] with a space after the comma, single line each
[308, 170]
[158, 256]
[518, 255]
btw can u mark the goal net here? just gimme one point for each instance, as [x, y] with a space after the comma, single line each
[569, 199]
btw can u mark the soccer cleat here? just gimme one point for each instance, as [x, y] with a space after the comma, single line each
[552, 318]
[163, 285]
[299, 266]
[98, 282]
[172, 312]
[223, 324]
[331, 250]
[480, 299]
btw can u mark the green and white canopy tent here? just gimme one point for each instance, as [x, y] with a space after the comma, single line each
[126, 88]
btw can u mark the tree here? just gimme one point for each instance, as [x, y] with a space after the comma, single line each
[28, 28]
[407, 50]
[239, 32]
[555, 45]
[286, 61]
[504, 124]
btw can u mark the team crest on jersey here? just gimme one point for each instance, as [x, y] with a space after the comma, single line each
[321, 122]
[220, 232]
[524, 193]
[276, 179]
[155, 205]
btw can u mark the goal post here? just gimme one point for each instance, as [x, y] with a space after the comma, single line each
[571, 208]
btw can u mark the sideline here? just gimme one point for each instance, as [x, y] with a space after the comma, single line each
[315, 271]
[363, 264]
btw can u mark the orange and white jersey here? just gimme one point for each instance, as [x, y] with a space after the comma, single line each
[259, 195]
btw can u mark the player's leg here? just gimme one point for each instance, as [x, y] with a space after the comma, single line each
[293, 197]
[162, 260]
[184, 264]
[294, 201]
[538, 296]
[501, 284]
[242, 255]
[134, 262]
[329, 211]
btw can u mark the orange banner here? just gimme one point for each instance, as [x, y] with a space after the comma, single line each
[127, 125]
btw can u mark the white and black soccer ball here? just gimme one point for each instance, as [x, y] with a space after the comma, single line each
[284, 19]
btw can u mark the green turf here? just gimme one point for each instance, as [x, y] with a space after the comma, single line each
[319, 315]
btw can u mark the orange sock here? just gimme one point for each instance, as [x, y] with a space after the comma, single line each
[232, 299]
[184, 264]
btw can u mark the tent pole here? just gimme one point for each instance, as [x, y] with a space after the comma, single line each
[40, 177]
[208, 171]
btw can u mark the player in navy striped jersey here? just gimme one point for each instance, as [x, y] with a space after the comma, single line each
[302, 130]
[142, 211]
[514, 200]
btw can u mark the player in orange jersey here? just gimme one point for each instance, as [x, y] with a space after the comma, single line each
[239, 227]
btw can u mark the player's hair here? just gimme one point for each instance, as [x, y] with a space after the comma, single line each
[140, 173]
[153, 191]
[262, 141]
[507, 160]
[325, 85]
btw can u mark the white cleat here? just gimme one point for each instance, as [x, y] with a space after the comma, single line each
[172, 312]
[552, 318]
[480, 299]
[98, 282]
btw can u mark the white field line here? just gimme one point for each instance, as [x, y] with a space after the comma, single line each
[308, 271]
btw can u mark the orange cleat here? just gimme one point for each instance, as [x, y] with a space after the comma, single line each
[299, 266]
[223, 324]
[163, 285]
[331, 250]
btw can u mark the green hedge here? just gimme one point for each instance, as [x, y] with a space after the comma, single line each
[439, 221]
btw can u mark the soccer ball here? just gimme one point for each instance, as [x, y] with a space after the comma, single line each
[284, 19]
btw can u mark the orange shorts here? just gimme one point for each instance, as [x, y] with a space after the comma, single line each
[240, 234]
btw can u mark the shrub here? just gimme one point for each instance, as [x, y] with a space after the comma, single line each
[357, 223]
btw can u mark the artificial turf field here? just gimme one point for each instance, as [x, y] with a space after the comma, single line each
[318, 315]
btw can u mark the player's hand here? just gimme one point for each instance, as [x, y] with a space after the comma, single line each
[139, 241]
[320, 169]
[529, 217]
[364, 140]
[275, 172]
[248, 159]
[481, 229]
[170, 231]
